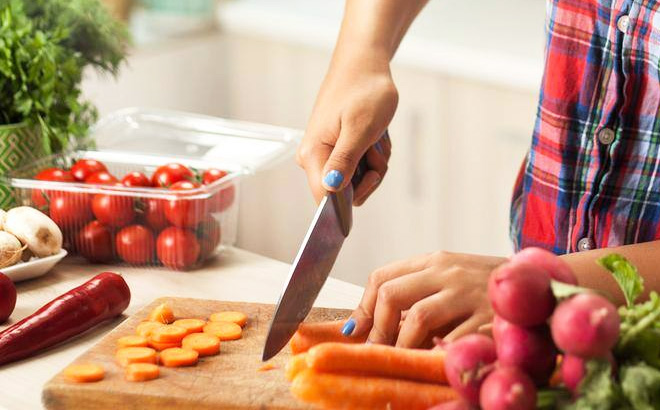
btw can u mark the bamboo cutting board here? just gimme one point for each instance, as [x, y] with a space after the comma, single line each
[230, 380]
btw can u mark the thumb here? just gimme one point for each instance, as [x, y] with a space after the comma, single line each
[343, 160]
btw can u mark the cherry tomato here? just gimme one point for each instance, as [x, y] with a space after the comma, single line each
[154, 214]
[136, 179]
[102, 178]
[169, 174]
[208, 235]
[113, 210]
[95, 242]
[186, 212]
[40, 197]
[177, 248]
[85, 168]
[70, 209]
[225, 197]
[135, 244]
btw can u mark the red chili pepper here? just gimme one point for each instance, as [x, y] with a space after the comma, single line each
[103, 297]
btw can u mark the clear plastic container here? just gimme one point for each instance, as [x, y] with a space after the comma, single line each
[178, 228]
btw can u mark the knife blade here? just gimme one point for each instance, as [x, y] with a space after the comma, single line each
[313, 263]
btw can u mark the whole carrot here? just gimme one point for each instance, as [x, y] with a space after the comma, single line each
[313, 333]
[379, 360]
[341, 391]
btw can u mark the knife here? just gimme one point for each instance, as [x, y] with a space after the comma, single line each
[313, 263]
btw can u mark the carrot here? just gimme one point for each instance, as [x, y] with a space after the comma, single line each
[140, 372]
[266, 367]
[177, 357]
[160, 346]
[191, 325]
[168, 334]
[311, 334]
[344, 391]
[555, 379]
[379, 360]
[128, 355]
[84, 373]
[146, 327]
[205, 344]
[162, 313]
[224, 330]
[132, 341]
[295, 365]
[239, 318]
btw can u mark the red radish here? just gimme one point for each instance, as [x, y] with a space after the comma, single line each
[7, 297]
[529, 348]
[548, 261]
[573, 370]
[521, 293]
[453, 405]
[586, 325]
[468, 362]
[507, 388]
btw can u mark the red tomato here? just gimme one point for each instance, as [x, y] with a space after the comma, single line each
[7, 297]
[225, 197]
[208, 234]
[113, 210]
[102, 178]
[184, 212]
[39, 197]
[169, 174]
[135, 244]
[85, 168]
[213, 174]
[154, 214]
[136, 179]
[70, 209]
[95, 242]
[177, 248]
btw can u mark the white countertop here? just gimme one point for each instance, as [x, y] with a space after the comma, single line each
[236, 275]
[497, 41]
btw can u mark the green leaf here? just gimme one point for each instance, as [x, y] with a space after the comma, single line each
[641, 386]
[563, 290]
[626, 275]
[599, 390]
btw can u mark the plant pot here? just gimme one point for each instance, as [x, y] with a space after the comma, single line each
[20, 144]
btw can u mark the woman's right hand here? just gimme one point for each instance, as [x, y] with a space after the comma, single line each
[355, 105]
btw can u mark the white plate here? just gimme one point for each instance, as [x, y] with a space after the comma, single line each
[33, 268]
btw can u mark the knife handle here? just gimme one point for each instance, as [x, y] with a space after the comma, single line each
[362, 166]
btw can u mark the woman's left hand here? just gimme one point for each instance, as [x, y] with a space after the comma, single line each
[438, 294]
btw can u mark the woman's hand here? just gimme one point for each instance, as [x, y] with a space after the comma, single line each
[353, 109]
[408, 302]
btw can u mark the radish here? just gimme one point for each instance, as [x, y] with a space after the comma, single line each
[468, 362]
[453, 405]
[520, 293]
[586, 325]
[529, 348]
[33, 228]
[11, 249]
[507, 388]
[573, 370]
[7, 297]
[548, 261]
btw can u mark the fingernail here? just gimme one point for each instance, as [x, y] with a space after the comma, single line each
[379, 147]
[333, 179]
[349, 327]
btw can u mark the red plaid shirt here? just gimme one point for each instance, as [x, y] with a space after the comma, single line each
[592, 176]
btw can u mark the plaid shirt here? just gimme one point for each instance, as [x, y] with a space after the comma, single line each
[592, 176]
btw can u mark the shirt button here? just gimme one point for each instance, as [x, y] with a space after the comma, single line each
[623, 23]
[584, 244]
[606, 136]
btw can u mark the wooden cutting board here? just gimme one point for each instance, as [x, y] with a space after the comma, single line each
[230, 380]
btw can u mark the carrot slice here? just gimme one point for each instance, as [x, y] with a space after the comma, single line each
[295, 365]
[177, 357]
[266, 367]
[168, 334]
[191, 325]
[128, 355]
[145, 328]
[224, 330]
[313, 333]
[160, 346]
[140, 372]
[239, 318]
[205, 344]
[84, 373]
[162, 313]
[132, 341]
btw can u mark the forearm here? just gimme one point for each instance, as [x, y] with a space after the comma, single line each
[645, 256]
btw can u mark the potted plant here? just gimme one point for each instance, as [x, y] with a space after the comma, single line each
[44, 47]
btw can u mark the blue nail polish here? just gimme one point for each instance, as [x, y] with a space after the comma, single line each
[379, 147]
[348, 328]
[333, 178]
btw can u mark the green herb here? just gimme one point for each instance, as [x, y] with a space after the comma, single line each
[641, 386]
[625, 274]
[599, 390]
[563, 290]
